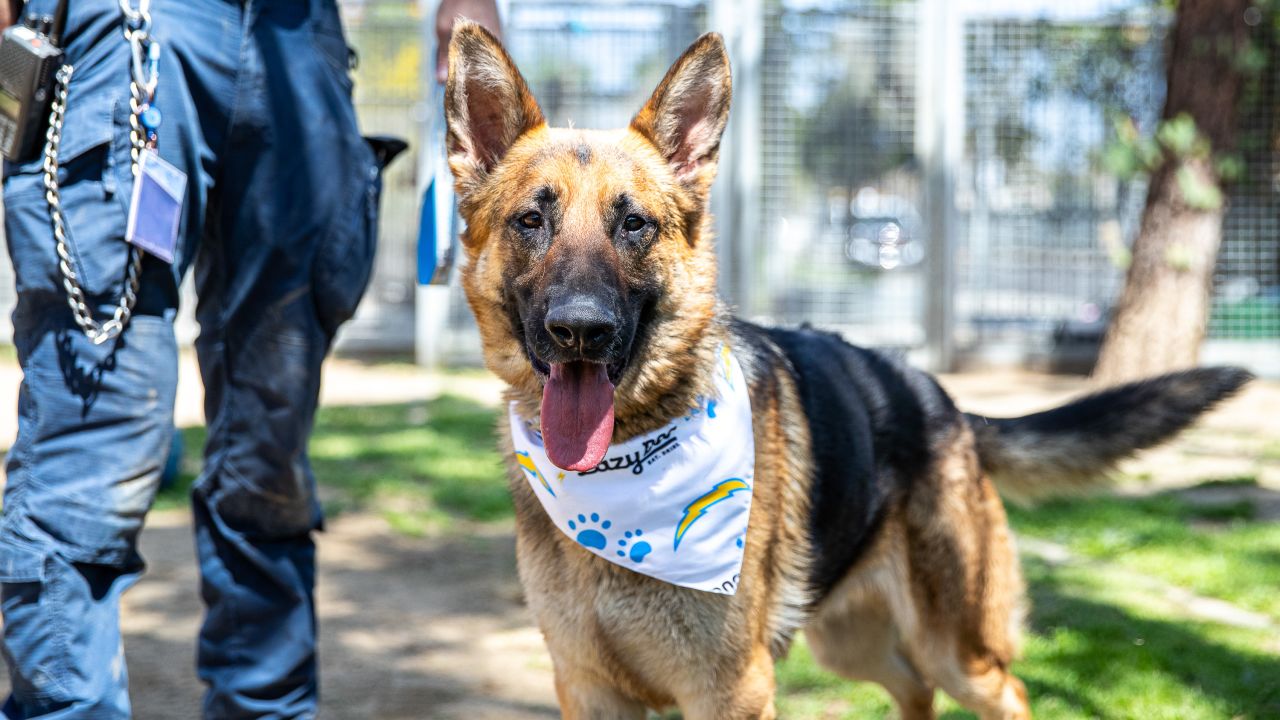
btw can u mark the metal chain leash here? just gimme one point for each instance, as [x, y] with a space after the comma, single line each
[142, 87]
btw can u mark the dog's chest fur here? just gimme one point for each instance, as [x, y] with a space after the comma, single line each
[603, 620]
[599, 618]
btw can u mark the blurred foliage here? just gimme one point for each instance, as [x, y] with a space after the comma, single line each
[555, 79]
[388, 42]
[1131, 153]
[1099, 64]
[1177, 139]
[847, 141]
[849, 98]
[1097, 61]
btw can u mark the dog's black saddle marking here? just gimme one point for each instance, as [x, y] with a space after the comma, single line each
[873, 422]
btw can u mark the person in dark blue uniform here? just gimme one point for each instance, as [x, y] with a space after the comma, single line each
[278, 218]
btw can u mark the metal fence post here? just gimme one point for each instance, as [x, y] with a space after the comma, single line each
[939, 145]
[736, 196]
[430, 304]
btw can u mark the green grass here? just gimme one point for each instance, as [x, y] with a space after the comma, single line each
[1217, 550]
[177, 495]
[421, 465]
[1099, 644]
[437, 460]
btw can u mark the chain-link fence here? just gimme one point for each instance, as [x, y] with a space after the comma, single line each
[842, 193]
[391, 74]
[873, 181]
[1034, 228]
[1247, 281]
[1042, 224]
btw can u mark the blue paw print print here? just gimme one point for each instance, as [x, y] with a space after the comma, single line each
[639, 548]
[705, 404]
[590, 536]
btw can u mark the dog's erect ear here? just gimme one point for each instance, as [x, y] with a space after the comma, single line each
[487, 104]
[687, 113]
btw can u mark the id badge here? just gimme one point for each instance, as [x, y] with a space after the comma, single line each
[156, 207]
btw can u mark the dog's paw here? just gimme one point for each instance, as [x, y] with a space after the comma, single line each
[639, 548]
[588, 536]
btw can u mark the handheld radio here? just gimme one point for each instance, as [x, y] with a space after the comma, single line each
[29, 57]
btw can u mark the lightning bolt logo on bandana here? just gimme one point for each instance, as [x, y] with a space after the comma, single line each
[527, 463]
[726, 357]
[696, 509]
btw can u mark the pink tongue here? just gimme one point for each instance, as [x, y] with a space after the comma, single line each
[577, 415]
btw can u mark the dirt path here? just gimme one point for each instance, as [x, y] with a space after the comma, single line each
[410, 628]
[434, 628]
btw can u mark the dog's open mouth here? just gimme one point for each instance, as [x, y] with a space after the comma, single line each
[577, 414]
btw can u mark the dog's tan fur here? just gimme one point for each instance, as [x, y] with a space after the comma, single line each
[935, 601]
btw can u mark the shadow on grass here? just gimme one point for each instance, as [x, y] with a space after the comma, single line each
[1103, 660]
[419, 462]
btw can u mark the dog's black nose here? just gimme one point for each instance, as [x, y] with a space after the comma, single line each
[583, 323]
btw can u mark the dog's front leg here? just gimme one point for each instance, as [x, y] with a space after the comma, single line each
[748, 696]
[582, 698]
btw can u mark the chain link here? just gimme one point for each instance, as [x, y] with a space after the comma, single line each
[137, 27]
[139, 19]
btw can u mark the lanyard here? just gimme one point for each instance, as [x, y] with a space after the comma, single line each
[144, 72]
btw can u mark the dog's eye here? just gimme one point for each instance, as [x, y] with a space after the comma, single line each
[531, 220]
[633, 223]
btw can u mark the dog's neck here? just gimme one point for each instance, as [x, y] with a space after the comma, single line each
[662, 383]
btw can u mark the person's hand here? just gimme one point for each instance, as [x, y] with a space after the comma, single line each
[484, 12]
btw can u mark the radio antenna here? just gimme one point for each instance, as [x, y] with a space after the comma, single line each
[59, 22]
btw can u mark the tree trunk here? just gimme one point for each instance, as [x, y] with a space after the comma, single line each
[1160, 321]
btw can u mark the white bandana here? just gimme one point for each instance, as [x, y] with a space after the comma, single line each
[672, 504]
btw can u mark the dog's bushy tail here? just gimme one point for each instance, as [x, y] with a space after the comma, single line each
[1071, 449]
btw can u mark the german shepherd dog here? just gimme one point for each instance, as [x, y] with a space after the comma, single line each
[875, 523]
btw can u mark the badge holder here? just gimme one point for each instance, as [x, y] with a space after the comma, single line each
[155, 208]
